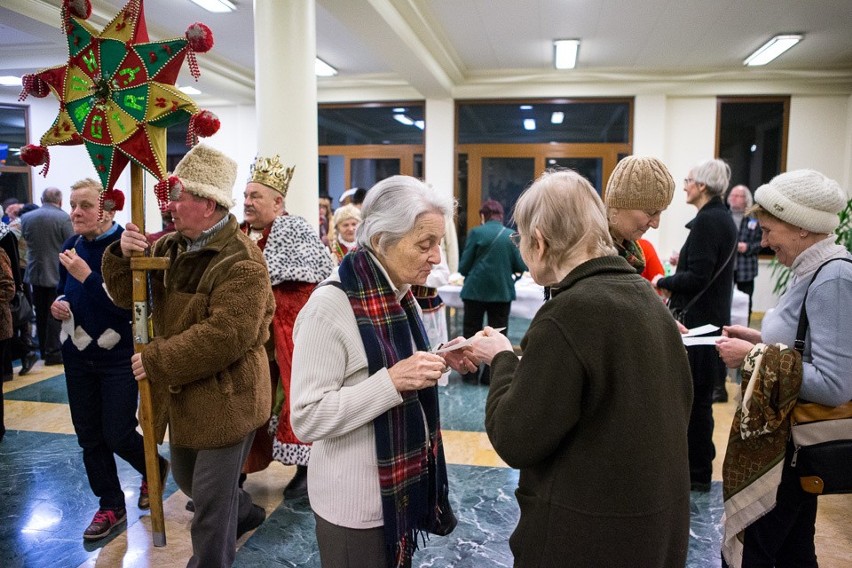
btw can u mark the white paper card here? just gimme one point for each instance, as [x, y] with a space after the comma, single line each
[701, 330]
[692, 341]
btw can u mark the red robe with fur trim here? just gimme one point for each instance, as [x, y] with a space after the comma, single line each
[297, 261]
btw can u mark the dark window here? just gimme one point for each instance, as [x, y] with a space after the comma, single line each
[752, 139]
[14, 173]
[374, 124]
[532, 122]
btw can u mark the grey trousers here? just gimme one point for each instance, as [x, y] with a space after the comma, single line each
[210, 478]
[342, 547]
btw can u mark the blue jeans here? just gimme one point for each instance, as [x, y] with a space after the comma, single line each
[103, 399]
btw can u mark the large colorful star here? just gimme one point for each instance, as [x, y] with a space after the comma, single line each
[117, 92]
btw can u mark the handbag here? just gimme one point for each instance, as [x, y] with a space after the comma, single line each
[679, 314]
[22, 311]
[822, 435]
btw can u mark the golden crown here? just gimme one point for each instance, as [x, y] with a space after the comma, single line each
[272, 173]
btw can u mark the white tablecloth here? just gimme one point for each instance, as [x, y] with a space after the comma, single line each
[530, 297]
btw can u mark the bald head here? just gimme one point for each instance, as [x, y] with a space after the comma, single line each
[52, 195]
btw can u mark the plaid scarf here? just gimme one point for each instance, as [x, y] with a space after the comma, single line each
[412, 469]
[632, 253]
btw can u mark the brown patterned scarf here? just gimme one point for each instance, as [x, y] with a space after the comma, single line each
[631, 251]
[772, 376]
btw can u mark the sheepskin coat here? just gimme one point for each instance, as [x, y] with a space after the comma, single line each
[206, 363]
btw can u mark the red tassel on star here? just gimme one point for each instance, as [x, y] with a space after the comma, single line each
[35, 155]
[33, 85]
[203, 123]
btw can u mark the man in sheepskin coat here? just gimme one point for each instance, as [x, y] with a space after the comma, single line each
[207, 362]
[297, 261]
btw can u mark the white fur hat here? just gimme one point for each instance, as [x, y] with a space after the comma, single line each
[803, 198]
[206, 172]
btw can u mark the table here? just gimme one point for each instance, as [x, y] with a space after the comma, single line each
[530, 297]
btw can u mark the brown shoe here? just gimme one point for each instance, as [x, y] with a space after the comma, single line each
[104, 522]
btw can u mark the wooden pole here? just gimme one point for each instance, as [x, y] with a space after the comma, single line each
[140, 339]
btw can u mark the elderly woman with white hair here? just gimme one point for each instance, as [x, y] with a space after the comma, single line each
[595, 413]
[364, 386]
[344, 224]
[701, 290]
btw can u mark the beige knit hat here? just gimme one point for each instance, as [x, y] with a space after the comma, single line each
[208, 173]
[803, 198]
[640, 183]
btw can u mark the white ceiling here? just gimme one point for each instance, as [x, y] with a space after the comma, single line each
[441, 48]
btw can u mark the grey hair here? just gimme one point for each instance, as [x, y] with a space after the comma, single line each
[568, 213]
[715, 175]
[749, 200]
[392, 207]
[52, 195]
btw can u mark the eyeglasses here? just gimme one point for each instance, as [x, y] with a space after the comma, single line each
[687, 181]
[516, 239]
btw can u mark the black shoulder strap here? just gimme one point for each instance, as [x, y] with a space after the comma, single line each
[707, 287]
[799, 345]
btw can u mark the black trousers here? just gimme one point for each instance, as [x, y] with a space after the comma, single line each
[707, 367]
[47, 327]
[784, 537]
[473, 320]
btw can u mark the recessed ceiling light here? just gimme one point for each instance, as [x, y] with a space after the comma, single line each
[772, 49]
[529, 124]
[10, 81]
[323, 69]
[557, 117]
[399, 109]
[565, 53]
[526, 107]
[403, 119]
[216, 6]
[189, 90]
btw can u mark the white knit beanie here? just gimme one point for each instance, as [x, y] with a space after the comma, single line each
[208, 173]
[803, 198]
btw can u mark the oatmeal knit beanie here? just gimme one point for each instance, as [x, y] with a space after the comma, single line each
[803, 198]
[208, 173]
[640, 183]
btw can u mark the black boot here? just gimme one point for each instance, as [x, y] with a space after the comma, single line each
[298, 486]
[720, 393]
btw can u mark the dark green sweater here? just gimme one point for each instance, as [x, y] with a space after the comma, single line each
[595, 417]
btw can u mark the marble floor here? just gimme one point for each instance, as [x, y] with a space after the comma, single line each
[45, 501]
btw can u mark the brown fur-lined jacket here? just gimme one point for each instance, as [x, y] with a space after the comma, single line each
[207, 364]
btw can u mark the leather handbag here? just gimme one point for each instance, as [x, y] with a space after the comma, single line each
[22, 311]
[822, 435]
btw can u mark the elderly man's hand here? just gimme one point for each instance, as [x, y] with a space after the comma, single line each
[417, 372]
[488, 343]
[137, 367]
[132, 240]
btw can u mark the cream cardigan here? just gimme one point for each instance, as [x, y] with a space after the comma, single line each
[334, 403]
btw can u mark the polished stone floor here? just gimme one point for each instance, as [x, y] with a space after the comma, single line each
[45, 501]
